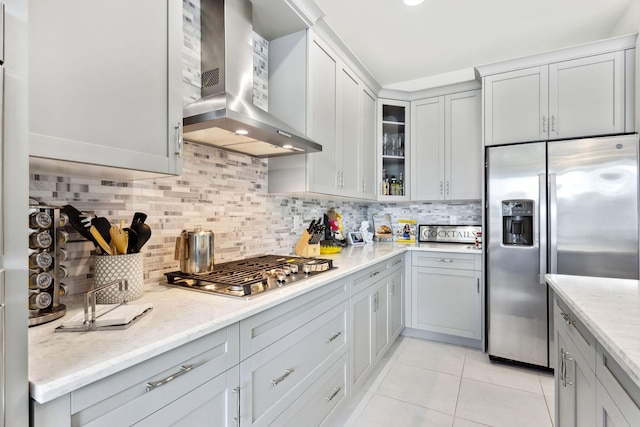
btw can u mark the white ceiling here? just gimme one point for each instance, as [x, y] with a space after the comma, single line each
[406, 48]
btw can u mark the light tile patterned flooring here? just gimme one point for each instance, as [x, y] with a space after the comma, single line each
[425, 383]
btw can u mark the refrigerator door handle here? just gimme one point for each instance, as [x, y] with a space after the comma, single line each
[553, 225]
[542, 225]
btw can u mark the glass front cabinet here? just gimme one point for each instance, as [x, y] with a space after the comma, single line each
[393, 146]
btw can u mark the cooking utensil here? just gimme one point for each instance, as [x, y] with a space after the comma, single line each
[132, 237]
[139, 218]
[144, 233]
[194, 250]
[101, 226]
[75, 219]
[119, 239]
[100, 240]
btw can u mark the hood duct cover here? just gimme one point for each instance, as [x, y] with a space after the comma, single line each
[225, 115]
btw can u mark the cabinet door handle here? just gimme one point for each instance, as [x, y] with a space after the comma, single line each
[447, 189]
[333, 337]
[392, 290]
[236, 419]
[544, 124]
[563, 371]
[334, 394]
[441, 189]
[478, 285]
[183, 370]
[567, 318]
[178, 129]
[445, 260]
[283, 377]
[565, 379]
[553, 123]
[375, 273]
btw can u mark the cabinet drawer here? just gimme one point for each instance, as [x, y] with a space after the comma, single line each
[450, 260]
[396, 263]
[565, 320]
[126, 397]
[367, 277]
[319, 400]
[259, 331]
[372, 275]
[276, 375]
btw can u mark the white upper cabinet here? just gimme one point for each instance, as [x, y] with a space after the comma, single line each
[340, 116]
[516, 106]
[586, 96]
[575, 92]
[105, 86]
[446, 147]
[368, 142]
[428, 149]
[322, 117]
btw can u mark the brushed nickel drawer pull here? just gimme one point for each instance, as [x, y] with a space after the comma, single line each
[183, 370]
[375, 273]
[237, 418]
[333, 337]
[567, 318]
[445, 260]
[398, 261]
[334, 394]
[283, 377]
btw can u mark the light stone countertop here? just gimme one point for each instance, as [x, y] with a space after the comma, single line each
[62, 362]
[610, 309]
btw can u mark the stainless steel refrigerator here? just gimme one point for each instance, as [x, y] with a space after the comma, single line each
[566, 207]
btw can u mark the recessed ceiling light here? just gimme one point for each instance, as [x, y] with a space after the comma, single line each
[242, 132]
[412, 2]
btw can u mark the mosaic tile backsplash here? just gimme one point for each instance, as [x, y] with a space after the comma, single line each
[218, 190]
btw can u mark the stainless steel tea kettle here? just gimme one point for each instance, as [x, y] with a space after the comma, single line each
[194, 250]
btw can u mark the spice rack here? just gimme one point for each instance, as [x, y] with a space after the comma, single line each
[46, 271]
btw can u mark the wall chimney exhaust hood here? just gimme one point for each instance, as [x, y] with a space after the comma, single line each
[225, 115]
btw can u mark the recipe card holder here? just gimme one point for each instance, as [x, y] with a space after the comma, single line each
[90, 316]
[304, 249]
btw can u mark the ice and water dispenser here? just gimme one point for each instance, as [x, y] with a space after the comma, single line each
[517, 222]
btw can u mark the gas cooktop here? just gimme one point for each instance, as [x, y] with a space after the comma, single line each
[252, 276]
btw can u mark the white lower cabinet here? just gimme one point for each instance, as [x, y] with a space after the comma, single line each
[376, 315]
[291, 364]
[156, 389]
[321, 399]
[591, 389]
[446, 295]
[215, 403]
[289, 349]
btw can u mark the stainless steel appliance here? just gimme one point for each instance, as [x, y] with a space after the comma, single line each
[566, 207]
[225, 115]
[252, 276]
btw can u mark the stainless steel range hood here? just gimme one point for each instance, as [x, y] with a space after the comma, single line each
[225, 115]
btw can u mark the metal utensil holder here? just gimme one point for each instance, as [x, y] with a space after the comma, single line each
[55, 271]
[90, 316]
